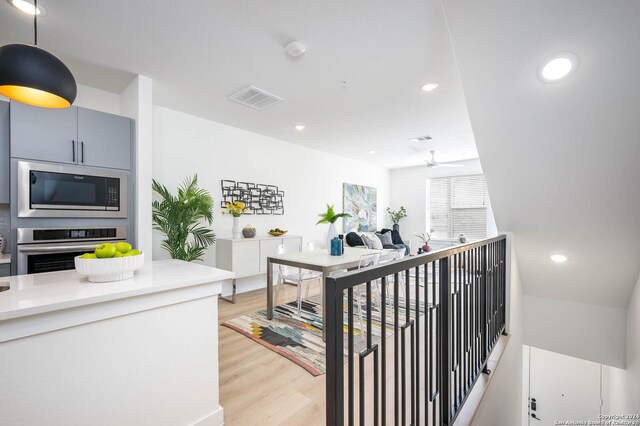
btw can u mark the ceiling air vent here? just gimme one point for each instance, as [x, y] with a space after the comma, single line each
[420, 139]
[255, 98]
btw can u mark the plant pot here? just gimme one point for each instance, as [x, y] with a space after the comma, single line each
[237, 230]
[331, 234]
[426, 248]
[396, 227]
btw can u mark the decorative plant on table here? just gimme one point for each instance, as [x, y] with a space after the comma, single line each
[397, 216]
[235, 209]
[180, 219]
[425, 237]
[330, 217]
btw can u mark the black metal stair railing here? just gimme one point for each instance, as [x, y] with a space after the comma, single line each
[431, 323]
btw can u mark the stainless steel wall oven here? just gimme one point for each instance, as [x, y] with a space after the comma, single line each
[54, 249]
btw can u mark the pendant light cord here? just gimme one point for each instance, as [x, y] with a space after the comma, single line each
[35, 22]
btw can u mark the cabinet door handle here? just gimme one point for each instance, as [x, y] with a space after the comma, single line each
[82, 152]
[73, 150]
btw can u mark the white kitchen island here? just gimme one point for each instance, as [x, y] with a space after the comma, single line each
[142, 351]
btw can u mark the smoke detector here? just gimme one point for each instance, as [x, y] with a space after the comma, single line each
[295, 48]
[255, 98]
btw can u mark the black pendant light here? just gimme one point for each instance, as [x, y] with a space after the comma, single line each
[34, 76]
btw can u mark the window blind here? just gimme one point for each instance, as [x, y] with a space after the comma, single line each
[457, 205]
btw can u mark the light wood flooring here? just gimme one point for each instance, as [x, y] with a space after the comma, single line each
[258, 386]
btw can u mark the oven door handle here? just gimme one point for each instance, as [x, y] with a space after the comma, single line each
[57, 249]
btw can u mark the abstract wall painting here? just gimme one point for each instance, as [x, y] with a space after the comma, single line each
[362, 204]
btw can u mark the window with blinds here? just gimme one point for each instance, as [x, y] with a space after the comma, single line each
[457, 205]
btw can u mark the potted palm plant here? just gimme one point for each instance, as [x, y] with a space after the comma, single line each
[330, 217]
[180, 218]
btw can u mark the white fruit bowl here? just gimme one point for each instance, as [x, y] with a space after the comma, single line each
[106, 270]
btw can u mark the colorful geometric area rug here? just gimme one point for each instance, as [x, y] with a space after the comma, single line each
[299, 339]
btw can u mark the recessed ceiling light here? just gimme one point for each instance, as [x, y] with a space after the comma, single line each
[373, 151]
[558, 67]
[299, 127]
[558, 258]
[295, 48]
[26, 6]
[429, 87]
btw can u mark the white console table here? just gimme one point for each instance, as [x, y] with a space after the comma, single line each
[247, 257]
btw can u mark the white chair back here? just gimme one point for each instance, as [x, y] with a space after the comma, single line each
[284, 249]
[399, 254]
[368, 260]
[388, 256]
[316, 245]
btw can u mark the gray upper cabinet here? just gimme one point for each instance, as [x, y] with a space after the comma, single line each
[4, 153]
[105, 139]
[43, 133]
[73, 135]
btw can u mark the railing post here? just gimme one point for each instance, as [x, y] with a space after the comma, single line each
[445, 346]
[334, 355]
[503, 277]
[484, 344]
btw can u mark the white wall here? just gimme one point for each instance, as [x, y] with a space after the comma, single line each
[185, 144]
[136, 102]
[502, 402]
[96, 99]
[592, 332]
[624, 385]
[408, 189]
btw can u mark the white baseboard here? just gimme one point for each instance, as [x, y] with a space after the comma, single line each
[213, 419]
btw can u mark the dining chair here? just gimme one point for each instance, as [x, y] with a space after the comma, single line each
[366, 261]
[316, 245]
[296, 276]
[390, 256]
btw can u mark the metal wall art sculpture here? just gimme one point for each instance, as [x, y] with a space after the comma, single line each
[258, 198]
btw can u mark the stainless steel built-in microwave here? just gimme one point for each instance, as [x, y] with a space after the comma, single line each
[51, 190]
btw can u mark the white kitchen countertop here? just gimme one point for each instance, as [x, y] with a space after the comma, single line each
[5, 258]
[52, 291]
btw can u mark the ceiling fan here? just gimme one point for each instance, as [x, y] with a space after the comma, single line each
[434, 163]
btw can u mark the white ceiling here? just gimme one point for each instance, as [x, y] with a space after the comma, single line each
[200, 52]
[561, 160]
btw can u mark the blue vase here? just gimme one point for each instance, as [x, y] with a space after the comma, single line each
[336, 247]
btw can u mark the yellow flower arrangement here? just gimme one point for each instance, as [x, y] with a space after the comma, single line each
[235, 209]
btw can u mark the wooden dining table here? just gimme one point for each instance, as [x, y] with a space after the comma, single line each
[316, 260]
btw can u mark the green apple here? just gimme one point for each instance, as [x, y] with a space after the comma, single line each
[133, 252]
[105, 250]
[118, 254]
[123, 247]
[89, 256]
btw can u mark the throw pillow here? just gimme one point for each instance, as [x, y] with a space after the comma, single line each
[354, 239]
[371, 240]
[385, 238]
